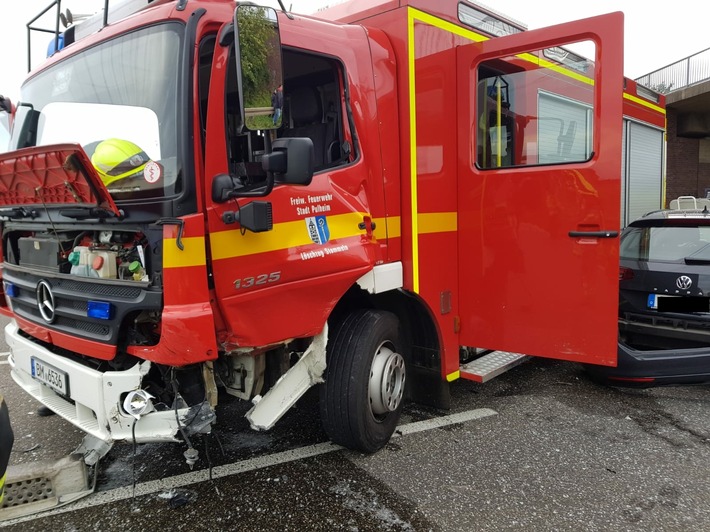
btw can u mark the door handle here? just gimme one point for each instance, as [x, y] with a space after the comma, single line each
[593, 234]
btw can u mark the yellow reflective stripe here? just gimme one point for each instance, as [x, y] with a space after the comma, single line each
[639, 101]
[444, 25]
[192, 255]
[437, 222]
[477, 37]
[390, 227]
[2, 487]
[228, 244]
[555, 67]
[286, 235]
[453, 376]
[413, 149]
[415, 14]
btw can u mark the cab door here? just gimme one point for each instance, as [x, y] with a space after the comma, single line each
[539, 190]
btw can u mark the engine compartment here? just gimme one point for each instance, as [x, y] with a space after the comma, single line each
[104, 254]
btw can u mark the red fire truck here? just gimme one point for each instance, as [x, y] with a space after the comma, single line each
[204, 195]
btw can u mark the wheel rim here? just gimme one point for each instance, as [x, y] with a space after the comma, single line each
[387, 377]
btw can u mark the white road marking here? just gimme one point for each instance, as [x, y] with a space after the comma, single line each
[252, 464]
[435, 423]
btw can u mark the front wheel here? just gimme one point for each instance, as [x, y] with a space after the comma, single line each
[361, 399]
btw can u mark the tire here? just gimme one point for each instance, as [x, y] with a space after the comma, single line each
[361, 399]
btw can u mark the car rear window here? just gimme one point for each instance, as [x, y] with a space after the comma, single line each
[666, 243]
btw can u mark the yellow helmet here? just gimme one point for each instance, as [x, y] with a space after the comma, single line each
[116, 159]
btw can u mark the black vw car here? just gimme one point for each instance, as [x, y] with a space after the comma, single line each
[664, 301]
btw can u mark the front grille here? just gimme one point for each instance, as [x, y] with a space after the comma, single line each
[96, 289]
[78, 305]
[95, 329]
[70, 304]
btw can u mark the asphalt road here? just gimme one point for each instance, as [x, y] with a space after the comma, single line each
[558, 452]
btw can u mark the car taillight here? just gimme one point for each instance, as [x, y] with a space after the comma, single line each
[625, 274]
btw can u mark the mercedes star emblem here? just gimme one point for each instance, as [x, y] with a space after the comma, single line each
[45, 301]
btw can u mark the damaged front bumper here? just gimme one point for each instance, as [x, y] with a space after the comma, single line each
[93, 401]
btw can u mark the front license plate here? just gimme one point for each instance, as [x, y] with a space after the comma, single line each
[47, 374]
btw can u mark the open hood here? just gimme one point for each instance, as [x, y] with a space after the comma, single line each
[59, 174]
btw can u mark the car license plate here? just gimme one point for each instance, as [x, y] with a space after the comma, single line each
[669, 303]
[655, 299]
[47, 374]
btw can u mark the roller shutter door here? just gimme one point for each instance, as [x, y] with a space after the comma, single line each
[642, 176]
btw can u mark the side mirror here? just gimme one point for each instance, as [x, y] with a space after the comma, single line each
[259, 67]
[291, 162]
[27, 120]
[226, 187]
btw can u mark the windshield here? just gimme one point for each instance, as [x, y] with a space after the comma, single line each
[119, 100]
[668, 243]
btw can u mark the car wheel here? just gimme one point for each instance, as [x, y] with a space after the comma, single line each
[361, 399]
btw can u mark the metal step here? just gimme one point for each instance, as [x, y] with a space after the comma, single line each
[491, 365]
[35, 487]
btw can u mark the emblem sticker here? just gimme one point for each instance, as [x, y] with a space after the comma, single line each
[152, 172]
[318, 229]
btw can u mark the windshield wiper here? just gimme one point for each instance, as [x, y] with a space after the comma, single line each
[18, 212]
[84, 213]
[696, 260]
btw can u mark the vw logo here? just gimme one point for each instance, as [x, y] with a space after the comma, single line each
[45, 301]
[684, 282]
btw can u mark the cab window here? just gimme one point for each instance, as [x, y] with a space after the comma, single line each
[313, 107]
[534, 108]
